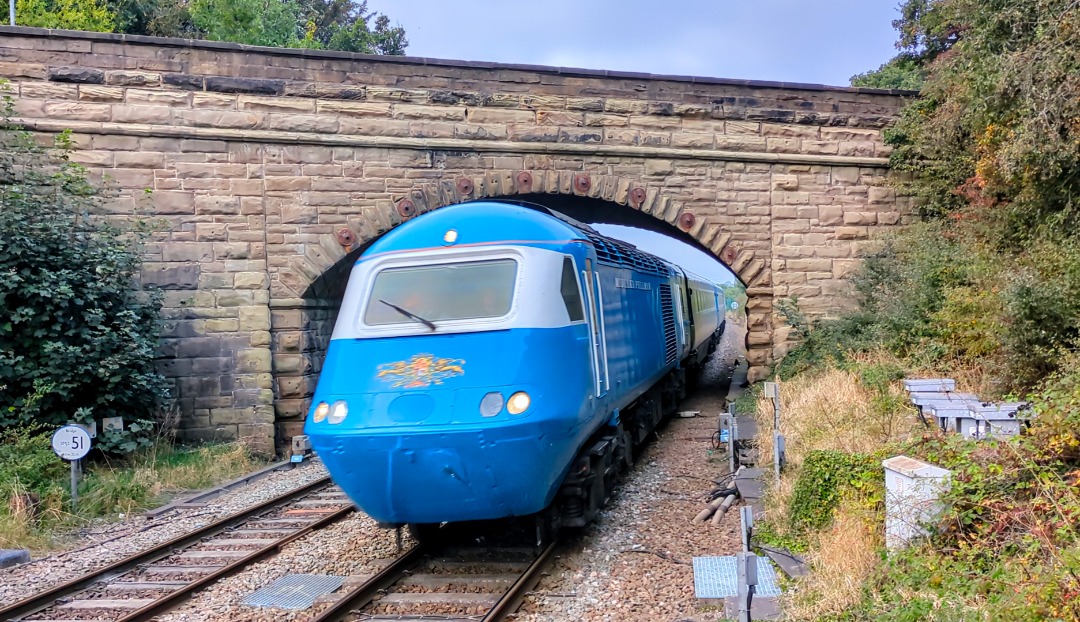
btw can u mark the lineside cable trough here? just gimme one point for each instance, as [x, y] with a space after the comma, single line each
[746, 586]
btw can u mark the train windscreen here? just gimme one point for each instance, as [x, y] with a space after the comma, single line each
[444, 292]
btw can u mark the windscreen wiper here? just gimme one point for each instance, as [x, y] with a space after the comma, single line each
[409, 314]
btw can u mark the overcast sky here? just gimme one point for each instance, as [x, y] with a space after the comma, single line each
[815, 41]
[810, 41]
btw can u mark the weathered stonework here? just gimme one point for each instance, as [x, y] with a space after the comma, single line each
[266, 161]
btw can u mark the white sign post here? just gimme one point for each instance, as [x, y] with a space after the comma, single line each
[72, 443]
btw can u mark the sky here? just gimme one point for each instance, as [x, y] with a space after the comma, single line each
[684, 255]
[808, 41]
[816, 41]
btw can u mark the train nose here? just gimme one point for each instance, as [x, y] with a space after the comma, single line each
[415, 408]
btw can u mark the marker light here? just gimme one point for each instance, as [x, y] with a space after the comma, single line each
[450, 237]
[492, 404]
[338, 412]
[321, 411]
[518, 403]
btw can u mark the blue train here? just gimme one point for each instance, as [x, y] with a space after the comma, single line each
[492, 360]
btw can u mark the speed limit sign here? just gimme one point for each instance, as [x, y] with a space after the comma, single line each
[71, 442]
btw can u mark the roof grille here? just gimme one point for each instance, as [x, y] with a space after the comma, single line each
[614, 252]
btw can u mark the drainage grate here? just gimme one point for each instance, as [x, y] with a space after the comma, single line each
[716, 577]
[294, 591]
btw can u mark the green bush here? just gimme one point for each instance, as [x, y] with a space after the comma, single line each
[77, 335]
[824, 479]
[27, 462]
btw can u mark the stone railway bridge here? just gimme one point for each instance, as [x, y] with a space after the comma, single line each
[274, 168]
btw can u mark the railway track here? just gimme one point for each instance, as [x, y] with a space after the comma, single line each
[458, 583]
[155, 580]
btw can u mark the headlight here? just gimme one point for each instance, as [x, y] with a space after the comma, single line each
[338, 412]
[492, 404]
[518, 403]
[320, 413]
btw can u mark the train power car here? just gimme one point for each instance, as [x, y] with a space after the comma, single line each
[491, 360]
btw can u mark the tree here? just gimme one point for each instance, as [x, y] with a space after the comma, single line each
[903, 72]
[358, 38]
[271, 23]
[995, 136]
[77, 334]
[92, 15]
[926, 31]
[344, 25]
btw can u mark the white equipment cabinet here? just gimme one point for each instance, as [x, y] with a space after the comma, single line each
[913, 491]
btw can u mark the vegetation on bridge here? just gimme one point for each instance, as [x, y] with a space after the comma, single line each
[984, 288]
[343, 25]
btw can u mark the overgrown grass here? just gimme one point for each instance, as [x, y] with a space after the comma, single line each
[1008, 544]
[34, 484]
[837, 421]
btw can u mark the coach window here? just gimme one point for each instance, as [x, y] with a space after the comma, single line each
[571, 294]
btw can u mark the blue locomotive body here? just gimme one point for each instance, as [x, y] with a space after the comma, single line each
[479, 348]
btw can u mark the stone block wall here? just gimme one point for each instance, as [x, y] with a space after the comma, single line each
[272, 166]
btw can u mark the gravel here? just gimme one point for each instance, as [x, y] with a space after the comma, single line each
[353, 547]
[104, 544]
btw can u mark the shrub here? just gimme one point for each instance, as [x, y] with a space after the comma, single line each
[825, 477]
[77, 335]
[28, 463]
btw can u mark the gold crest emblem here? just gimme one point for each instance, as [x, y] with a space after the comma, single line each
[422, 370]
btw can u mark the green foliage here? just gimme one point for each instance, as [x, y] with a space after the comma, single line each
[271, 23]
[27, 462]
[344, 25]
[77, 335]
[899, 287]
[824, 479]
[93, 15]
[358, 38]
[926, 32]
[159, 18]
[995, 137]
[903, 72]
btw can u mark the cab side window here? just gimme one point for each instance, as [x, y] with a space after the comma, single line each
[571, 295]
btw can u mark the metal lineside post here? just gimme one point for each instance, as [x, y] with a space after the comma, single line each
[731, 439]
[746, 515]
[772, 390]
[11, 11]
[746, 565]
[778, 441]
[74, 483]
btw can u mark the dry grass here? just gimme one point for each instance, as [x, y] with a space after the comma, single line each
[826, 410]
[842, 556]
[23, 515]
[831, 409]
[146, 480]
[152, 477]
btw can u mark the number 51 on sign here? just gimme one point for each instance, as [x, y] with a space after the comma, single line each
[72, 443]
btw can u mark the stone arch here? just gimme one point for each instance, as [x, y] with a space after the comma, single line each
[304, 310]
[646, 198]
[307, 270]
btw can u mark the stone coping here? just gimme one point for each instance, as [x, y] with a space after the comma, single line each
[435, 62]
